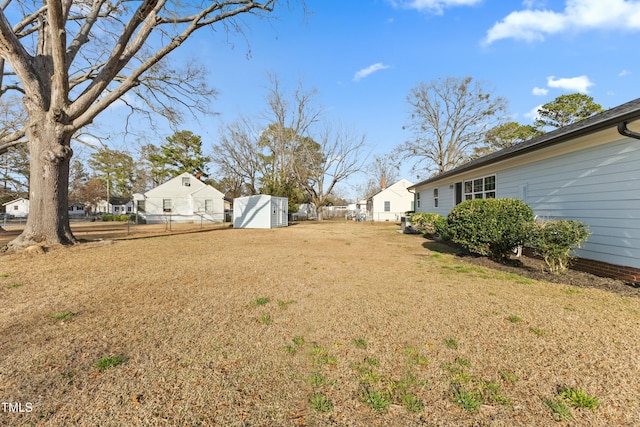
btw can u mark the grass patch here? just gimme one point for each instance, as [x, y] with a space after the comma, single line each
[317, 349]
[298, 340]
[514, 319]
[14, 285]
[110, 362]
[516, 278]
[63, 315]
[371, 361]
[291, 349]
[265, 319]
[451, 343]
[411, 402]
[285, 304]
[578, 398]
[559, 410]
[415, 356]
[376, 399]
[317, 379]
[509, 377]
[467, 399]
[465, 269]
[261, 301]
[538, 332]
[360, 343]
[320, 403]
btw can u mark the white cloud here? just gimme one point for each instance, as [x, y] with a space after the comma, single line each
[540, 91]
[624, 73]
[578, 15]
[578, 84]
[533, 115]
[365, 72]
[433, 6]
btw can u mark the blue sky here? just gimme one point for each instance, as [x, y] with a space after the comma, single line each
[364, 56]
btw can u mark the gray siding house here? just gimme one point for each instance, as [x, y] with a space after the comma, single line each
[588, 171]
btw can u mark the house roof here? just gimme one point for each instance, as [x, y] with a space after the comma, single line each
[15, 200]
[390, 187]
[605, 120]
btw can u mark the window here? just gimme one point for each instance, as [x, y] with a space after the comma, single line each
[166, 205]
[387, 206]
[186, 182]
[141, 205]
[480, 188]
[435, 197]
[208, 205]
[418, 199]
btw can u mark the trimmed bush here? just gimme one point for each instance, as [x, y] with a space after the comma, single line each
[490, 227]
[555, 241]
[425, 222]
[440, 226]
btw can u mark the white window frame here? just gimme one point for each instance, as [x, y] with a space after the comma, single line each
[483, 187]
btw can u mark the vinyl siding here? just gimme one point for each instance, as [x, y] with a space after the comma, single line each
[598, 185]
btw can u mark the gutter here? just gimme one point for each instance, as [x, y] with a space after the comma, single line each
[624, 131]
[618, 116]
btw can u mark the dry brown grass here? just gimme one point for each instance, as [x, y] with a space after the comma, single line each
[378, 312]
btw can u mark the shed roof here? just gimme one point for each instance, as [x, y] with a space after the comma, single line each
[605, 120]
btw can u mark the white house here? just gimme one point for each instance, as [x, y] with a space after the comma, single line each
[115, 206]
[181, 199]
[390, 203]
[18, 208]
[588, 171]
[76, 210]
[260, 211]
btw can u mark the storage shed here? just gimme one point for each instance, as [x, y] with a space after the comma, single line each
[261, 211]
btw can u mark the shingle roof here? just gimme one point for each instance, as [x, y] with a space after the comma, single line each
[604, 120]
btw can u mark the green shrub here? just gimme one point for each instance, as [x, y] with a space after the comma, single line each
[440, 226]
[555, 240]
[490, 227]
[425, 221]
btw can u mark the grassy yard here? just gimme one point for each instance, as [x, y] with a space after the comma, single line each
[314, 324]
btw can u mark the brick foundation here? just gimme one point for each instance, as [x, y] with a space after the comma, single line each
[603, 269]
[599, 268]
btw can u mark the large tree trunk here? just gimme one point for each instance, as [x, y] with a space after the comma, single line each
[50, 155]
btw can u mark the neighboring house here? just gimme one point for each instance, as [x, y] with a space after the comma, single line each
[183, 199]
[115, 206]
[18, 208]
[390, 203]
[588, 171]
[261, 211]
[307, 211]
[76, 210]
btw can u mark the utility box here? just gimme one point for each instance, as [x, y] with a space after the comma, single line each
[405, 223]
[261, 211]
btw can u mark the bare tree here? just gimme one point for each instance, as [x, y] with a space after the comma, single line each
[383, 171]
[339, 154]
[237, 155]
[448, 118]
[71, 59]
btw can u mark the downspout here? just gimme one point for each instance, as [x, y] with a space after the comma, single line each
[623, 130]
